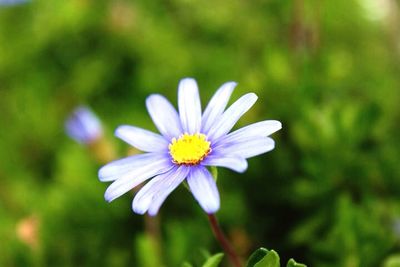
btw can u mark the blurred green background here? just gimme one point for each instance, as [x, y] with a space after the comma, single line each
[328, 195]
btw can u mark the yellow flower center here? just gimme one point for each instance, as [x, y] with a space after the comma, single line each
[189, 149]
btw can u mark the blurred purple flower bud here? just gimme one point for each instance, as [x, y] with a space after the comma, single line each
[12, 2]
[83, 126]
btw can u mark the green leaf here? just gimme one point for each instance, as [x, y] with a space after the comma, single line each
[293, 263]
[257, 256]
[270, 260]
[264, 258]
[214, 260]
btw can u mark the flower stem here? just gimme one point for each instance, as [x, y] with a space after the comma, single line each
[226, 246]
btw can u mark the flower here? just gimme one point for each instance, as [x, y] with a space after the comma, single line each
[83, 126]
[189, 142]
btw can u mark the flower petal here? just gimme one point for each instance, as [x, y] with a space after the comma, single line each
[141, 139]
[204, 189]
[117, 168]
[153, 194]
[137, 176]
[248, 148]
[189, 106]
[164, 116]
[217, 105]
[259, 129]
[159, 199]
[235, 163]
[229, 118]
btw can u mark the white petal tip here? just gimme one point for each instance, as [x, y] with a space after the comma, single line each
[211, 209]
[210, 205]
[187, 79]
[277, 125]
[139, 208]
[242, 170]
[188, 84]
[110, 195]
[241, 167]
[152, 97]
[105, 174]
[119, 130]
[253, 96]
[108, 198]
[231, 84]
[139, 211]
[152, 213]
[101, 175]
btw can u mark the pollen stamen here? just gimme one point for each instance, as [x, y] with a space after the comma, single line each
[189, 149]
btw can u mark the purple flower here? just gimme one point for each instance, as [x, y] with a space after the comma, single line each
[189, 142]
[83, 126]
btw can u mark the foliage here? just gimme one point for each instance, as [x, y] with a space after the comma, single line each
[269, 258]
